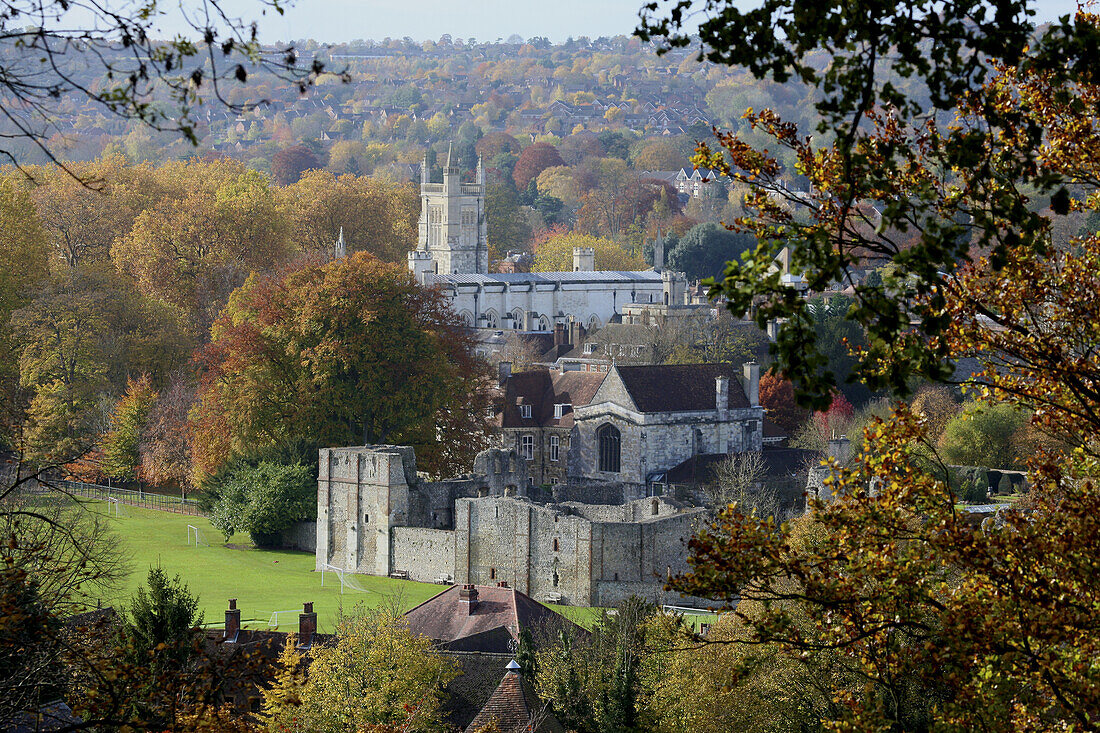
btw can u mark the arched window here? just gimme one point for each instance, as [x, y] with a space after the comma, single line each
[608, 438]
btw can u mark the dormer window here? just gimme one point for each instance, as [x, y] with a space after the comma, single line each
[589, 348]
[560, 409]
[525, 411]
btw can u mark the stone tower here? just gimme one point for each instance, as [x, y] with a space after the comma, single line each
[452, 221]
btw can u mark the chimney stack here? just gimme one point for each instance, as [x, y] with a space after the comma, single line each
[307, 626]
[839, 449]
[468, 594]
[721, 394]
[752, 383]
[559, 334]
[504, 370]
[232, 622]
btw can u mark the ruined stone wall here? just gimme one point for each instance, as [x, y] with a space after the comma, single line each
[636, 558]
[554, 553]
[299, 536]
[425, 554]
[539, 550]
[361, 493]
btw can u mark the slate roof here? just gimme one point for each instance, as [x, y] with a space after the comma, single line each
[542, 389]
[492, 625]
[778, 462]
[549, 278]
[680, 387]
[515, 708]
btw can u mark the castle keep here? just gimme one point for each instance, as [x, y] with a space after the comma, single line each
[375, 516]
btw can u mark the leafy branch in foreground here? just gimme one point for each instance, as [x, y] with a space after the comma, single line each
[48, 46]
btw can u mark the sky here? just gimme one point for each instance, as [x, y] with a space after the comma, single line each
[339, 21]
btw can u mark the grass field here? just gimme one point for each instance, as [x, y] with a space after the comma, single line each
[262, 581]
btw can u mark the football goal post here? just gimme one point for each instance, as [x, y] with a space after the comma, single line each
[274, 622]
[347, 580]
[114, 506]
[196, 536]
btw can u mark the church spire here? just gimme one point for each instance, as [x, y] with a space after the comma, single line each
[425, 174]
[658, 252]
[341, 248]
[480, 177]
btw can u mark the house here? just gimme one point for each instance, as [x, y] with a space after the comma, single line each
[535, 417]
[483, 618]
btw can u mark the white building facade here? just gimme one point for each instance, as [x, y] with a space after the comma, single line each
[452, 253]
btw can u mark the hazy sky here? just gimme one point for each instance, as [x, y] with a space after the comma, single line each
[337, 21]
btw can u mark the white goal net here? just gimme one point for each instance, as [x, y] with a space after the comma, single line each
[196, 536]
[274, 622]
[347, 580]
[114, 507]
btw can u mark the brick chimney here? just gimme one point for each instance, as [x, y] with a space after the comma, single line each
[559, 334]
[232, 622]
[468, 594]
[504, 370]
[307, 626]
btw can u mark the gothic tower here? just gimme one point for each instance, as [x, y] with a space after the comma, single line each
[452, 222]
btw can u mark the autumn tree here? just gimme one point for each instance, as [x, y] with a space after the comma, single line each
[921, 604]
[347, 352]
[193, 246]
[22, 265]
[376, 673]
[984, 435]
[556, 254]
[534, 160]
[288, 165]
[81, 222]
[165, 442]
[375, 216]
[128, 421]
[777, 397]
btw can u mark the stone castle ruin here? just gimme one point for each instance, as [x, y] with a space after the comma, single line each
[375, 515]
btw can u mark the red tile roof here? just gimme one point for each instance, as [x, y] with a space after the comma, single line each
[542, 389]
[492, 624]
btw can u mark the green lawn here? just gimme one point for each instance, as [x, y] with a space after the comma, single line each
[262, 581]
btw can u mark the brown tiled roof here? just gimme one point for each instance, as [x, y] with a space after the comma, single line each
[515, 708]
[479, 675]
[492, 625]
[680, 387]
[542, 389]
[572, 388]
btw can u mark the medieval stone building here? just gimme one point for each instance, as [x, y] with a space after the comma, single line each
[631, 424]
[376, 516]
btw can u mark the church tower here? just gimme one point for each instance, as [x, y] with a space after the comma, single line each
[453, 231]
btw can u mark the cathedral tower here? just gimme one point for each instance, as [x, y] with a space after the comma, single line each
[452, 221]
